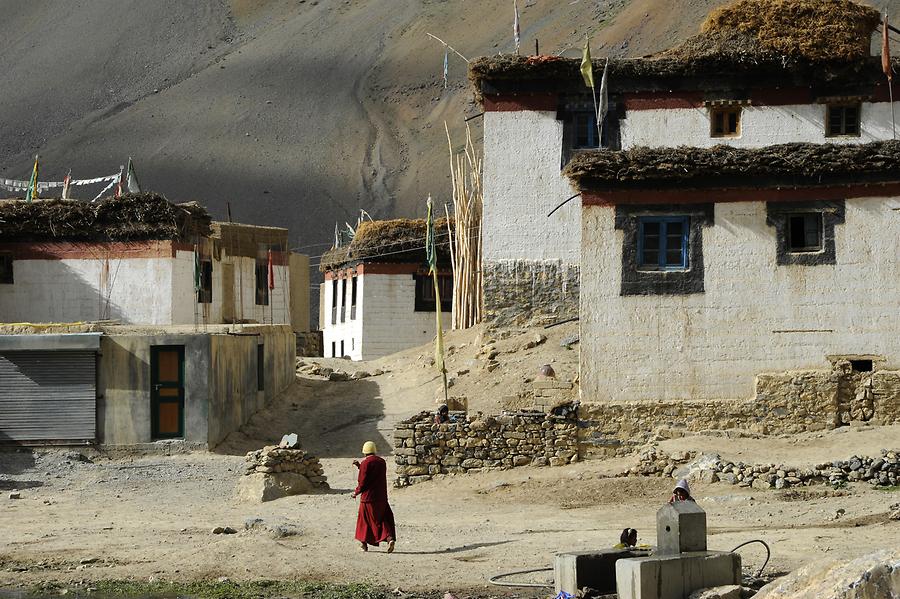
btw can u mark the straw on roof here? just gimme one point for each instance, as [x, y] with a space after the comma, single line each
[131, 217]
[397, 240]
[726, 166]
[802, 42]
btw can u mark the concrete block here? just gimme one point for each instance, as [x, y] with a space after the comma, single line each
[675, 576]
[680, 527]
[595, 569]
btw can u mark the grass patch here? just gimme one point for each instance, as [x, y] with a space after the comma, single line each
[256, 589]
[889, 489]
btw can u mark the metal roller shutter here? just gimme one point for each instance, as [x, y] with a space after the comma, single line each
[48, 396]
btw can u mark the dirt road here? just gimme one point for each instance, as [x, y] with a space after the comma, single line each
[152, 516]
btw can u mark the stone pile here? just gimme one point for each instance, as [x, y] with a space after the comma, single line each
[274, 472]
[272, 459]
[474, 444]
[877, 471]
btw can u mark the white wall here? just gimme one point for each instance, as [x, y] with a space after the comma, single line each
[522, 184]
[711, 345]
[133, 291]
[760, 126]
[346, 329]
[386, 321]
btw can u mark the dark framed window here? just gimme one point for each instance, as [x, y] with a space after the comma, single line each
[352, 298]
[334, 302]
[663, 242]
[805, 232]
[425, 295]
[584, 131]
[6, 268]
[261, 367]
[262, 282]
[725, 122]
[662, 247]
[204, 293]
[842, 120]
[344, 306]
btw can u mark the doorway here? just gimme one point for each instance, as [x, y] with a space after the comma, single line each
[167, 391]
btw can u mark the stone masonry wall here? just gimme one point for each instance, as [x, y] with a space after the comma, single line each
[518, 292]
[423, 449]
[785, 403]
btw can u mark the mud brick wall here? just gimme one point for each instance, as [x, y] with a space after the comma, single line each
[518, 292]
[423, 449]
[309, 344]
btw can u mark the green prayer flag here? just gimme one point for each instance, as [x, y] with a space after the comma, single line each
[431, 256]
[430, 251]
[587, 67]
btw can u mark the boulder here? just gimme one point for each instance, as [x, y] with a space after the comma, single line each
[731, 591]
[259, 487]
[693, 469]
[872, 576]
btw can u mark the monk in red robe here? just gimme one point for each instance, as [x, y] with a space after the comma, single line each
[375, 523]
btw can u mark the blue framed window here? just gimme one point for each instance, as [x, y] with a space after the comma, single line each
[663, 242]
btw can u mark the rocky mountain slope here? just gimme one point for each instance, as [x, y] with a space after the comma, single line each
[296, 112]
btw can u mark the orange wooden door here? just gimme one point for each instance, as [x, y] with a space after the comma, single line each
[167, 391]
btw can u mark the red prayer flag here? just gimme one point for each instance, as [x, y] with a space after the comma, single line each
[271, 272]
[886, 51]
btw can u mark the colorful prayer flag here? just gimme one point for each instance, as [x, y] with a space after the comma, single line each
[886, 50]
[32, 192]
[587, 67]
[271, 272]
[430, 251]
[196, 268]
[516, 30]
[67, 183]
[604, 96]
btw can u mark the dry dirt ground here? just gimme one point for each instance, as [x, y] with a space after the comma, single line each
[152, 515]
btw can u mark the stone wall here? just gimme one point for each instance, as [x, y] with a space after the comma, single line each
[785, 403]
[309, 344]
[423, 449]
[274, 472]
[883, 470]
[518, 292]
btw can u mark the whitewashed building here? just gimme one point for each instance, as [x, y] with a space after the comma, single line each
[134, 320]
[740, 217]
[378, 298]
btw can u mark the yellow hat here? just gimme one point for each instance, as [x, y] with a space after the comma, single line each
[369, 448]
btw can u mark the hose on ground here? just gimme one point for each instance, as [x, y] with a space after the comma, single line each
[535, 585]
[768, 553]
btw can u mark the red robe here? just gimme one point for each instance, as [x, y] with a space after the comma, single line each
[375, 522]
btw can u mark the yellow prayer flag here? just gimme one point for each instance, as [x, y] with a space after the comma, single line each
[587, 67]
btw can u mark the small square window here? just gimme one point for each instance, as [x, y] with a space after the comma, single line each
[204, 292]
[725, 122]
[663, 242]
[804, 232]
[425, 300]
[6, 268]
[842, 120]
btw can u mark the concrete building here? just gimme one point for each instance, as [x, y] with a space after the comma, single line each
[738, 220]
[112, 323]
[378, 298]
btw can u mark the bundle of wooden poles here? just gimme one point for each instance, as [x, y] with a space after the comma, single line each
[465, 254]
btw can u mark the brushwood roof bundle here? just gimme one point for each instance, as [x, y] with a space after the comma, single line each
[131, 217]
[729, 167]
[398, 240]
[802, 42]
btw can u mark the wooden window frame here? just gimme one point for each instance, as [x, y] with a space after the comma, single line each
[820, 232]
[843, 106]
[661, 252]
[724, 111]
[425, 300]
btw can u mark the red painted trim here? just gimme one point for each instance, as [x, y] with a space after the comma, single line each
[758, 97]
[695, 196]
[73, 250]
[547, 101]
[371, 268]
